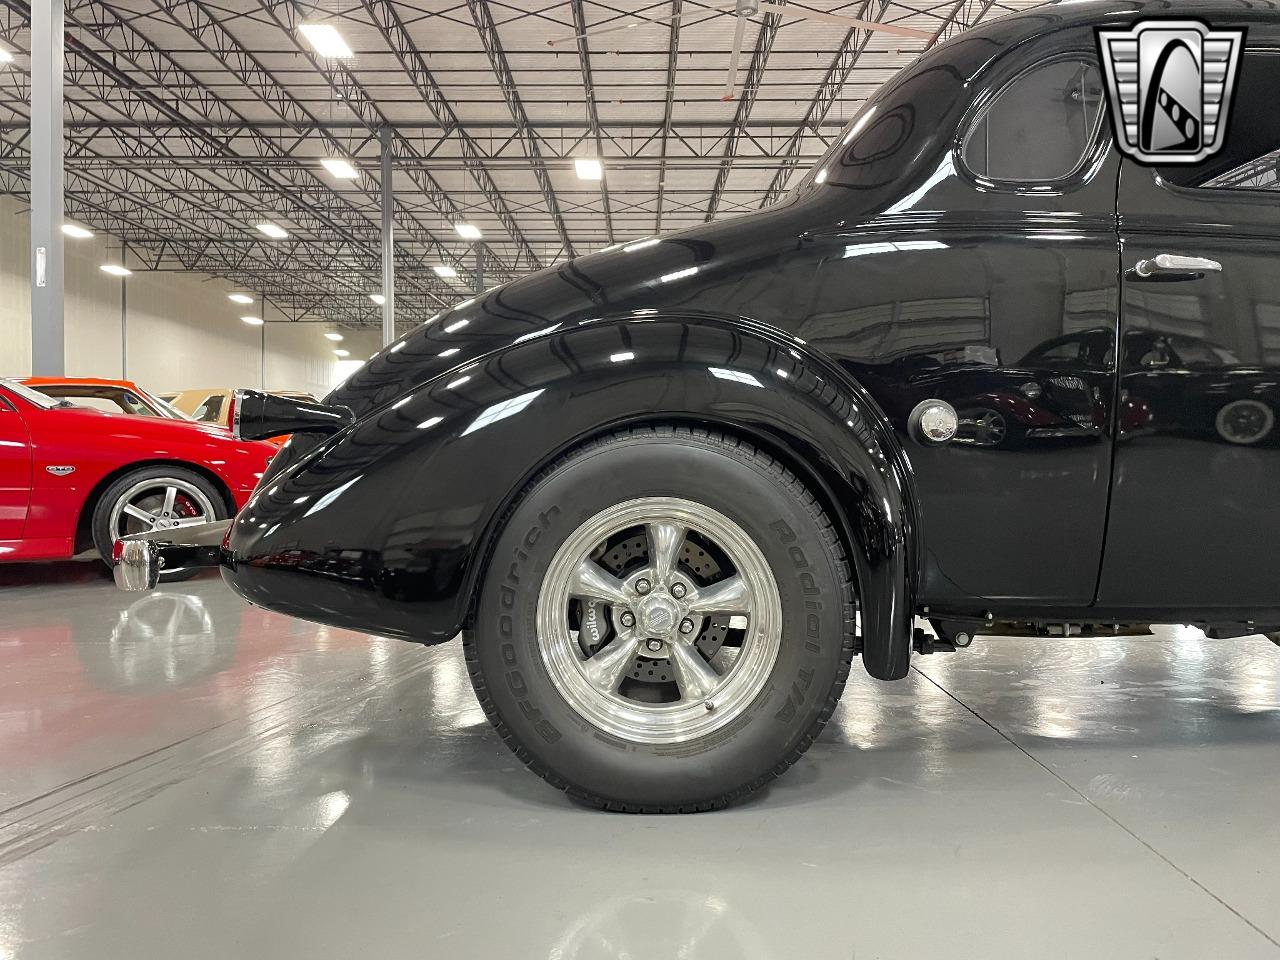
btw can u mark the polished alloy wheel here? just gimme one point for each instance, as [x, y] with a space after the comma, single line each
[160, 503]
[659, 620]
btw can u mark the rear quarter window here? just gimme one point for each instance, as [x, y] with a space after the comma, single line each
[1040, 127]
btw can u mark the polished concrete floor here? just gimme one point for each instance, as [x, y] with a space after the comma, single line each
[182, 775]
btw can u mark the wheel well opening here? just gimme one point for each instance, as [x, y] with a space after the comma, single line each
[807, 468]
[84, 525]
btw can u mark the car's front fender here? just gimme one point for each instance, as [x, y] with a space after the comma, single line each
[385, 526]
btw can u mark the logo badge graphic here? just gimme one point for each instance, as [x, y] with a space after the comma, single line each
[60, 471]
[1170, 84]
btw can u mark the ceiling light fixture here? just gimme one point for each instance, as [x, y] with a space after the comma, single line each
[239, 298]
[5, 56]
[378, 298]
[115, 269]
[468, 231]
[340, 168]
[588, 168]
[342, 353]
[77, 231]
[442, 270]
[253, 321]
[335, 337]
[273, 231]
[325, 40]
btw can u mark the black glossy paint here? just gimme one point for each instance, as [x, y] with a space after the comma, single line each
[890, 275]
[261, 416]
[1203, 354]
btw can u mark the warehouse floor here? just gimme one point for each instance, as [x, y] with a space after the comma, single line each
[183, 775]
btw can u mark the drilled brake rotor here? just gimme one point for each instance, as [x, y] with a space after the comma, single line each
[618, 558]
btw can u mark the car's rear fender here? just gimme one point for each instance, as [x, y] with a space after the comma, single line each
[386, 526]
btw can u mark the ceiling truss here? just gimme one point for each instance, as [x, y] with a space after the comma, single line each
[188, 122]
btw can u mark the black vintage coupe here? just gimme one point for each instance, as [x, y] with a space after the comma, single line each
[669, 491]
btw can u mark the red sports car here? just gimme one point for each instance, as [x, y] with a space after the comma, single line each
[73, 478]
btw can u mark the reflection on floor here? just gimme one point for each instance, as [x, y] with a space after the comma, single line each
[184, 775]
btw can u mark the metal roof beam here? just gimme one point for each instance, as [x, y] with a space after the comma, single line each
[962, 16]
[199, 23]
[829, 90]
[492, 43]
[750, 88]
[99, 21]
[593, 115]
[387, 20]
[673, 54]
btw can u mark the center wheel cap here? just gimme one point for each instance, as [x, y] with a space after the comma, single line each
[658, 615]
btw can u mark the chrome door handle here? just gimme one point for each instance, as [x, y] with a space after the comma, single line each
[1170, 266]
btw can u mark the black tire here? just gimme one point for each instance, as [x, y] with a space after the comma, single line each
[804, 554]
[1244, 423]
[103, 536]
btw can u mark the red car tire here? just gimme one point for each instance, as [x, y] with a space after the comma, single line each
[153, 498]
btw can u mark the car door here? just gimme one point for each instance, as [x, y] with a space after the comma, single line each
[1195, 507]
[15, 472]
[989, 287]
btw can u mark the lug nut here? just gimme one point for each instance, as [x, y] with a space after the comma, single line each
[643, 586]
[654, 646]
[686, 625]
[678, 591]
[628, 619]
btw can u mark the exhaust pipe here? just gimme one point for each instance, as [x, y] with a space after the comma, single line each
[143, 560]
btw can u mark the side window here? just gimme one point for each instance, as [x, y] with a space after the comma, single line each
[1063, 351]
[135, 406]
[1040, 126]
[210, 410]
[93, 401]
[1250, 157]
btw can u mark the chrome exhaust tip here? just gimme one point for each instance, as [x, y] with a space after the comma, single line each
[137, 566]
[143, 560]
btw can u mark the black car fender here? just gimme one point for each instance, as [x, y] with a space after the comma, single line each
[394, 516]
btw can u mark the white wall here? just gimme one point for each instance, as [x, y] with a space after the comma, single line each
[183, 332]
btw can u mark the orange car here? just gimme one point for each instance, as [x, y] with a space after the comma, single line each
[111, 396]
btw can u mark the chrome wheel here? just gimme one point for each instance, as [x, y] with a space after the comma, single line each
[159, 503]
[659, 620]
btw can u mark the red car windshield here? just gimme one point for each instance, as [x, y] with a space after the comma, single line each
[31, 396]
[111, 399]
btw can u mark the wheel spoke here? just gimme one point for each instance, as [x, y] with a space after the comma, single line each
[666, 540]
[590, 580]
[605, 669]
[694, 676]
[170, 495]
[730, 595]
[139, 514]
